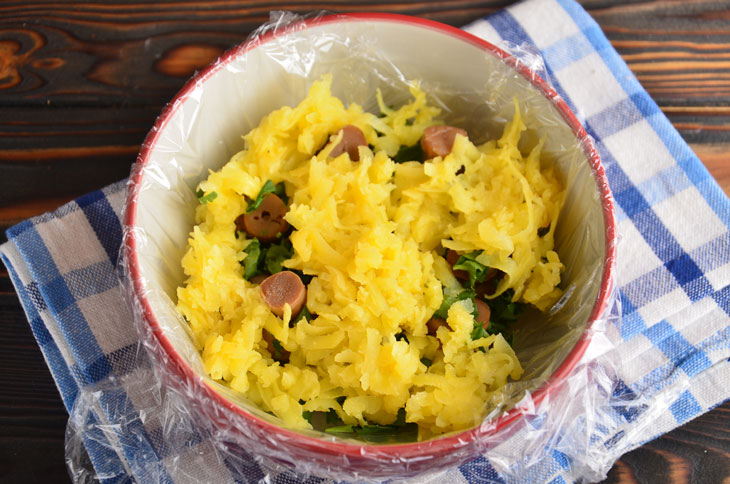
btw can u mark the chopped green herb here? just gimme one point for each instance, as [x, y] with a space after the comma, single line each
[307, 415]
[279, 352]
[427, 362]
[332, 417]
[251, 262]
[400, 418]
[504, 313]
[478, 331]
[276, 254]
[398, 431]
[405, 432]
[401, 336]
[268, 187]
[410, 153]
[450, 297]
[203, 198]
[341, 429]
[503, 309]
[477, 271]
[304, 313]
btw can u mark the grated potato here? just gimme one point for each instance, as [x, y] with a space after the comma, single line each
[372, 233]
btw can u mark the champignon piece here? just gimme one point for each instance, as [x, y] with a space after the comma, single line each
[265, 222]
[282, 288]
[279, 354]
[352, 137]
[438, 140]
[434, 324]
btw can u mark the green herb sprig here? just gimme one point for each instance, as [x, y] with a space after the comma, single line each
[398, 431]
[410, 153]
[451, 297]
[251, 262]
[268, 187]
[477, 271]
[206, 198]
[265, 258]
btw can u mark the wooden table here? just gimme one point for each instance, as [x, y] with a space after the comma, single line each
[80, 86]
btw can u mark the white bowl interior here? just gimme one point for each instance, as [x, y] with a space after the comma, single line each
[476, 90]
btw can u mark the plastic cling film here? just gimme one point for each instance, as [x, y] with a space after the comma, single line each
[175, 424]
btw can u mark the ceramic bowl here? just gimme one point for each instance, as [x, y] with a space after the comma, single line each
[476, 84]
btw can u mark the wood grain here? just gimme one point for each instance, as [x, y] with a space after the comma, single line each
[81, 83]
[32, 418]
[716, 157]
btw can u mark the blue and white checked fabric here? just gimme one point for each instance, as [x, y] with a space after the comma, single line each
[673, 277]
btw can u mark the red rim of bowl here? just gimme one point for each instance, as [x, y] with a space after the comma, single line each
[395, 451]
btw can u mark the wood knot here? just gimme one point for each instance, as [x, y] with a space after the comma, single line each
[18, 52]
[184, 60]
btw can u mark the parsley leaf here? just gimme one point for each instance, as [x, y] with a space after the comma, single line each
[268, 187]
[398, 431]
[303, 313]
[203, 198]
[450, 297]
[400, 418]
[503, 309]
[504, 313]
[251, 262]
[477, 271]
[276, 254]
[332, 418]
[478, 331]
[410, 153]
[341, 429]
[279, 352]
[427, 362]
[265, 258]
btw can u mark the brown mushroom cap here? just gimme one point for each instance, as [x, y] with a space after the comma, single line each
[281, 288]
[265, 222]
[352, 137]
[439, 140]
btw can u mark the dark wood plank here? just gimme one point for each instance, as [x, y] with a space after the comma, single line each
[101, 53]
[680, 51]
[32, 417]
[697, 453]
[716, 157]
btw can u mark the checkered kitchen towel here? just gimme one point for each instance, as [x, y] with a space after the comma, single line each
[673, 270]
